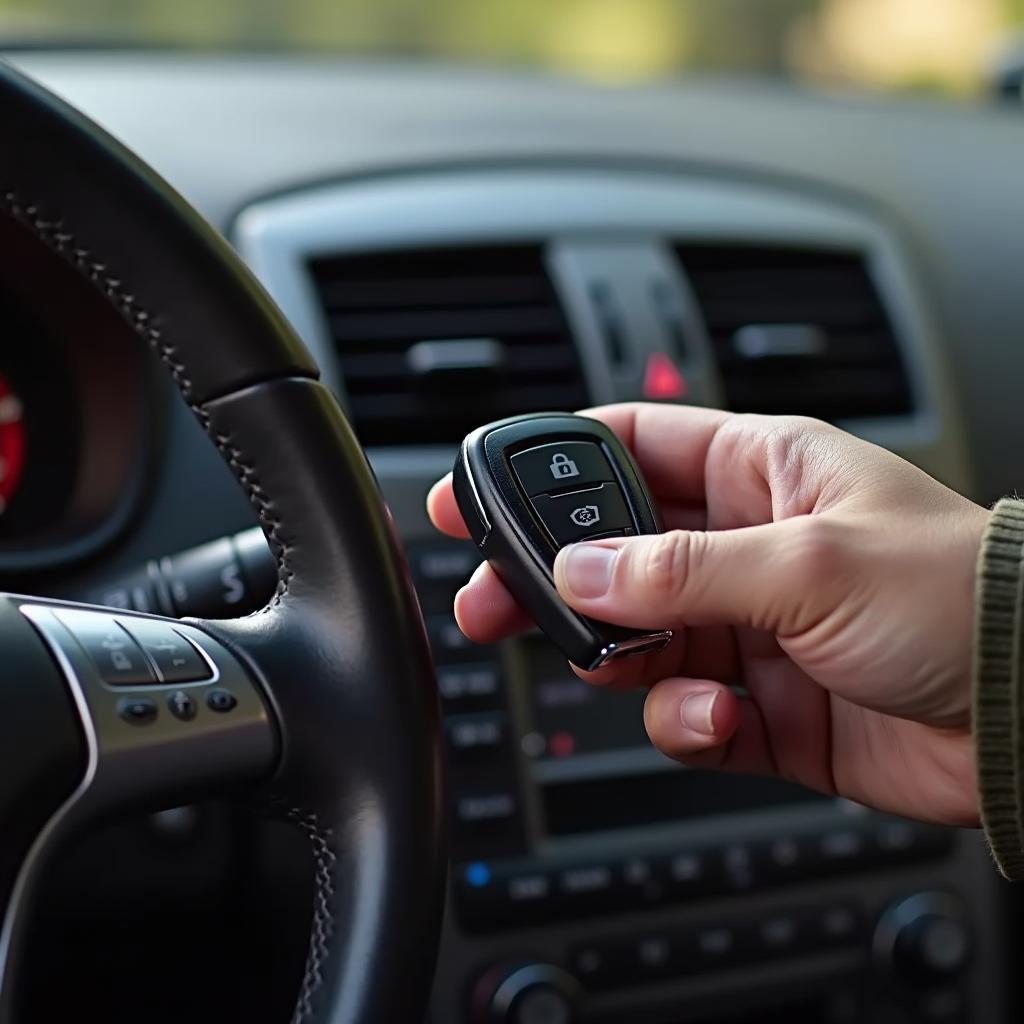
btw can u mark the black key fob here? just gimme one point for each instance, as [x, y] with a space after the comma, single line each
[526, 487]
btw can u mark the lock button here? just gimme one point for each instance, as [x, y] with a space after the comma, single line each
[562, 466]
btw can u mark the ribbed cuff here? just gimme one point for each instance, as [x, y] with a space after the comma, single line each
[997, 675]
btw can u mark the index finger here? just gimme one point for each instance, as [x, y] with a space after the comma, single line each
[669, 442]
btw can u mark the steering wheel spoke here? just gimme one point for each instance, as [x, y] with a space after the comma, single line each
[167, 712]
[162, 713]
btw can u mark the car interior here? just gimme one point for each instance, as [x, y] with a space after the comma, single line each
[465, 212]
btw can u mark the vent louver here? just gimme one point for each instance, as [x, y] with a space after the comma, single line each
[798, 331]
[432, 343]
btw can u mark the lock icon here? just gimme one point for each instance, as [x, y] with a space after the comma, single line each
[562, 467]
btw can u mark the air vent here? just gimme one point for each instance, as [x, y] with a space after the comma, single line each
[431, 343]
[798, 331]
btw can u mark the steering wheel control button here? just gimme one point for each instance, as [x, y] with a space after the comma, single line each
[176, 660]
[137, 710]
[221, 701]
[115, 653]
[566, 464]
[182, 705]
[580, 515]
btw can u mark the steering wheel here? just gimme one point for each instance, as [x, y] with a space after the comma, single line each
[323, 704]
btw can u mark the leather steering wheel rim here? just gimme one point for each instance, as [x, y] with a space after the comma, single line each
[338, 657]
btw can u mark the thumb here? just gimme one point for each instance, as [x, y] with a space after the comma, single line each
[770, 577]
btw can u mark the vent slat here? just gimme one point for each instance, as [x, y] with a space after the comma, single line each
[379, 306]
[429, 325]
[858, 372]
[843, 347]
[427, 292]
[383, 407]
[524, 360]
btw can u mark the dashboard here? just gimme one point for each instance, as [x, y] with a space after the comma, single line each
[454, 245]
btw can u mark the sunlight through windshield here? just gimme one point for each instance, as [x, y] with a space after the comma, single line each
[943, 46]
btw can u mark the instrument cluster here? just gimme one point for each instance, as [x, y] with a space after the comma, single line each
[78, 397]
[40, 439]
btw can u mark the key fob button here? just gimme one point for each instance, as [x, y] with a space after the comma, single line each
[561, 466]
[528, 485]
[581, 515]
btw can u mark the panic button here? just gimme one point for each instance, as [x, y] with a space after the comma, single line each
[561, 466]
[580, 515]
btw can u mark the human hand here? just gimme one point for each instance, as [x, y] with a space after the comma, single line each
[830, 579]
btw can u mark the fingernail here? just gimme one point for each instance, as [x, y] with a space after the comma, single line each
[587, 569]
[696, 710]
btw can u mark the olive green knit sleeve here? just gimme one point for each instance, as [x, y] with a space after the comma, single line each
[998, 644]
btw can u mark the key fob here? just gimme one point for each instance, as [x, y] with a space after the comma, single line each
[529, 485]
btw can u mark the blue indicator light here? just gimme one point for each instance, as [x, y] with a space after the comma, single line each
[478, 875]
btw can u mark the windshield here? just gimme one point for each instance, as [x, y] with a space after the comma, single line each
[950, 47]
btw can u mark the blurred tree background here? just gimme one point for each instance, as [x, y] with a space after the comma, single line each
[940, 45]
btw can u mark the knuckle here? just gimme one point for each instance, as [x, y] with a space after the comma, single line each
[817, 552]
[789, 439]
[779, 429]
[798, 426]
[668, 565]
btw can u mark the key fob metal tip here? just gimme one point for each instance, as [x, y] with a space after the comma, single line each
[529, 485]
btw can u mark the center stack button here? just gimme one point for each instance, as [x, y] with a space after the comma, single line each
[564, 465]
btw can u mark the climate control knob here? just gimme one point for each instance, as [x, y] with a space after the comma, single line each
[923, 939]
[525, 993]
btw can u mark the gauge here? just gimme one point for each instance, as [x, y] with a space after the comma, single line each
[12, 443]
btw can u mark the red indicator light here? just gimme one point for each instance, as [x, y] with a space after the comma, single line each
[562, 744]
[662, 378]
[12, 443]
